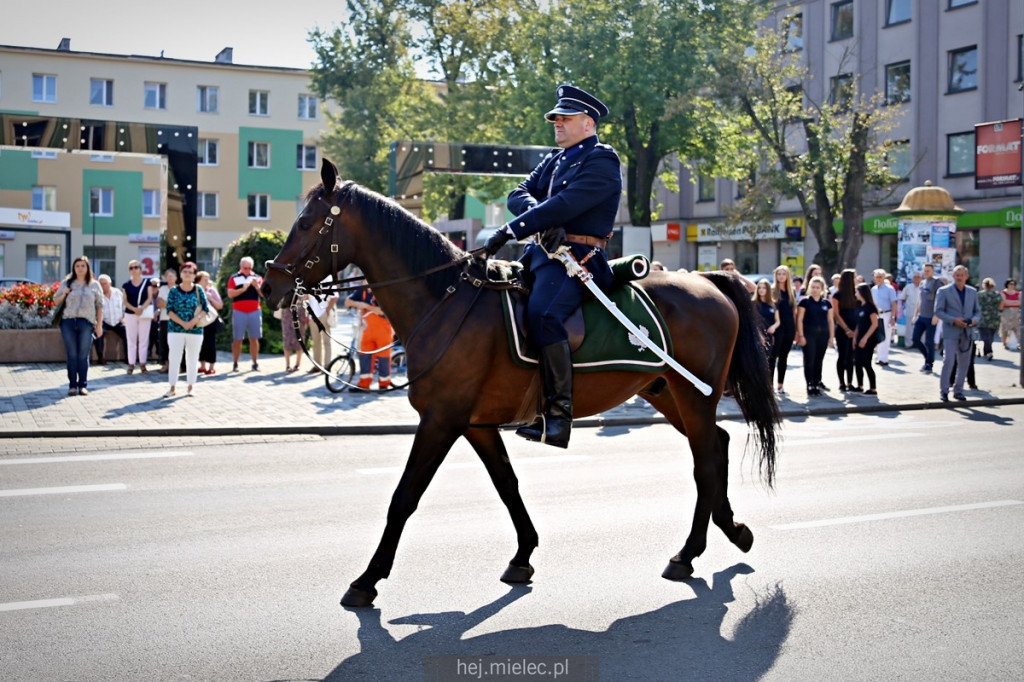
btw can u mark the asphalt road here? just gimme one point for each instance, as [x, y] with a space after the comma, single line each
[891, 549]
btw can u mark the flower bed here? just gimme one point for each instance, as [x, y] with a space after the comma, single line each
[27, 306]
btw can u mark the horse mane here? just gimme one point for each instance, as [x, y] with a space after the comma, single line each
[414, 241]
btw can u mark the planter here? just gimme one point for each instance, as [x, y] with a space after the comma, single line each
[46, 345]
[31, 345]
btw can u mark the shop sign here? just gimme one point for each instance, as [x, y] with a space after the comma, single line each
[997, 154]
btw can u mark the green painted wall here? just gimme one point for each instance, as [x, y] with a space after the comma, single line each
[127, 186]
[283, 180]
[18, 170]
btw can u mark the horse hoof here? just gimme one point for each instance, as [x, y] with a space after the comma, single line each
[358, 598]
[745, 539]
[677, 571]
[517, 574]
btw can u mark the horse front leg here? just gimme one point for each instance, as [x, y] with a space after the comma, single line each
[738, 533]
[429, 448]
[707, 463]
[491, 449]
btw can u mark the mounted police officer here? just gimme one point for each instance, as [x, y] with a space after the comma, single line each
[570, 198]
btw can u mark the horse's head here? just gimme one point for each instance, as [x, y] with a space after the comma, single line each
[314, 246]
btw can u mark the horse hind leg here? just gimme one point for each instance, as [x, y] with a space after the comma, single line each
[708, 473]
[738, 533]
[491, 449]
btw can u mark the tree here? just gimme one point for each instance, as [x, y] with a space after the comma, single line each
[827, 155]
[650, 60]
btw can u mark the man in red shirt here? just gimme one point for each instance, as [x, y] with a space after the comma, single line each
[246, 316]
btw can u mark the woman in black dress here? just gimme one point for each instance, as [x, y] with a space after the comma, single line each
[815, 331]
[864, 341]
[769, 314]
[785, 304]
[844, 310]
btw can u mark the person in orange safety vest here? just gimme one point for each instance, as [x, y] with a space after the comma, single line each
[375, 343]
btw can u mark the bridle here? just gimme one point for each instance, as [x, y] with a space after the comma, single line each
[310, 257]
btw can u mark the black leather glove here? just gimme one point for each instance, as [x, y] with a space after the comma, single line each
[553, 238]
[496, 241]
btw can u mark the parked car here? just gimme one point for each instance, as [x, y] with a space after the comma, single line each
[8, 282]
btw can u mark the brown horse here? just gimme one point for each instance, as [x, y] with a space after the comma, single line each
[464, 383]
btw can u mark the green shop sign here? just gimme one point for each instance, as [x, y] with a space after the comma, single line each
[1008, 217]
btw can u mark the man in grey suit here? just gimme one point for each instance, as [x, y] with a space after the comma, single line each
[956, 305]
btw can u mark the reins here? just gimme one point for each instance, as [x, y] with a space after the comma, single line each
[310, 257]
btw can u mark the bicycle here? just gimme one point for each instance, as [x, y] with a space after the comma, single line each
[342, 369]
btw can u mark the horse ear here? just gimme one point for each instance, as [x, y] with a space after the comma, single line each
[328, 174]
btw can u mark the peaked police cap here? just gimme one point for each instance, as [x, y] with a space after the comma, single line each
[573, 101]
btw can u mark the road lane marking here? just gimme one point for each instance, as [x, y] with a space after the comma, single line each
[104, 487]
[554, 459]
[53, 603]
[93, 458]
[894, 515]
[850, 439]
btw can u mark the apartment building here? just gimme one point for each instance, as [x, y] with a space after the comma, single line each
[253, 132]
[947, 65]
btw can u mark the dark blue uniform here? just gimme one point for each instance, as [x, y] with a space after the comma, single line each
[579, 190]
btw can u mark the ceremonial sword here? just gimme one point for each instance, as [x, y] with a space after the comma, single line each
[576, 270]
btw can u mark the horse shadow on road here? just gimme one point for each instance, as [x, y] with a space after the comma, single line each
[679, 641]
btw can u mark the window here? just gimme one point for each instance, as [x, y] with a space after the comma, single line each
[963, 69]
[897, 83]
[960, 154]
[842, 19]
[206, 98]
[102, 259]
[308, 105]
[154, 95]
[900, 159]
[151, 203]
[744, 186]
[705, 188]
[101, 202]
[898, 12]
[259, 155]
[207, 152]
[1020, 58]
[306, 157]
[259, 206]
[101, 92]
[746, 256]
[841, 90]
[794, 27]
[208, 259]
[44, 198]
[953, 4]
[207, 207]
[44, 88]
[259, 103]
[42, 262]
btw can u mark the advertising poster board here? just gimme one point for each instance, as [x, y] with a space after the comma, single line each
[707, 258]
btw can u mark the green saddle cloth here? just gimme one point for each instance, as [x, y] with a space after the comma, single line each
[607, 345]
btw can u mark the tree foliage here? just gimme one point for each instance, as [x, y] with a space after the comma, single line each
[828, 155]
[498, 62]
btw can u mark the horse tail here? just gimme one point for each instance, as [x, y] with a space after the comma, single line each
[748, 377]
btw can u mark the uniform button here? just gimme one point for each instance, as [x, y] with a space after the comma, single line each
[564, 181]
[522, 224]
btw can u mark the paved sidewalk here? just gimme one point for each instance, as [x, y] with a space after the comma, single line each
[271, 402]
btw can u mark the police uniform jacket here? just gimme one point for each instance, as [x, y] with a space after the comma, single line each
[578, 189]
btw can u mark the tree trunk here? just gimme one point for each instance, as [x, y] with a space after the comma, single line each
[853, 194]
[824, 227]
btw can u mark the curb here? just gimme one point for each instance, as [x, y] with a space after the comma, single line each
[402, 429]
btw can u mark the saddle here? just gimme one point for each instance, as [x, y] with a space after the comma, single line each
[598, 341]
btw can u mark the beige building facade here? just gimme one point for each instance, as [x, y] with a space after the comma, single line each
[256, 130]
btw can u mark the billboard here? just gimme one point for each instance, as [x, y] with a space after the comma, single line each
[997, 154]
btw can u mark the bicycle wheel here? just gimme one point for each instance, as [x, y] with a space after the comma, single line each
[339, 373]
[399, 372]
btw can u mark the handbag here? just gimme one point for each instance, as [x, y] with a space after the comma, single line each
[147, 312]
[58, 314]
[880, 334]
[208, 318]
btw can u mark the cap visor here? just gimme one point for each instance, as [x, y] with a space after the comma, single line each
[561, 111]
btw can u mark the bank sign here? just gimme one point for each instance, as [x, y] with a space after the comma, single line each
[997, 154]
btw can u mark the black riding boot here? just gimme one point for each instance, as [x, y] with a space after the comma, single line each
[556, 372]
